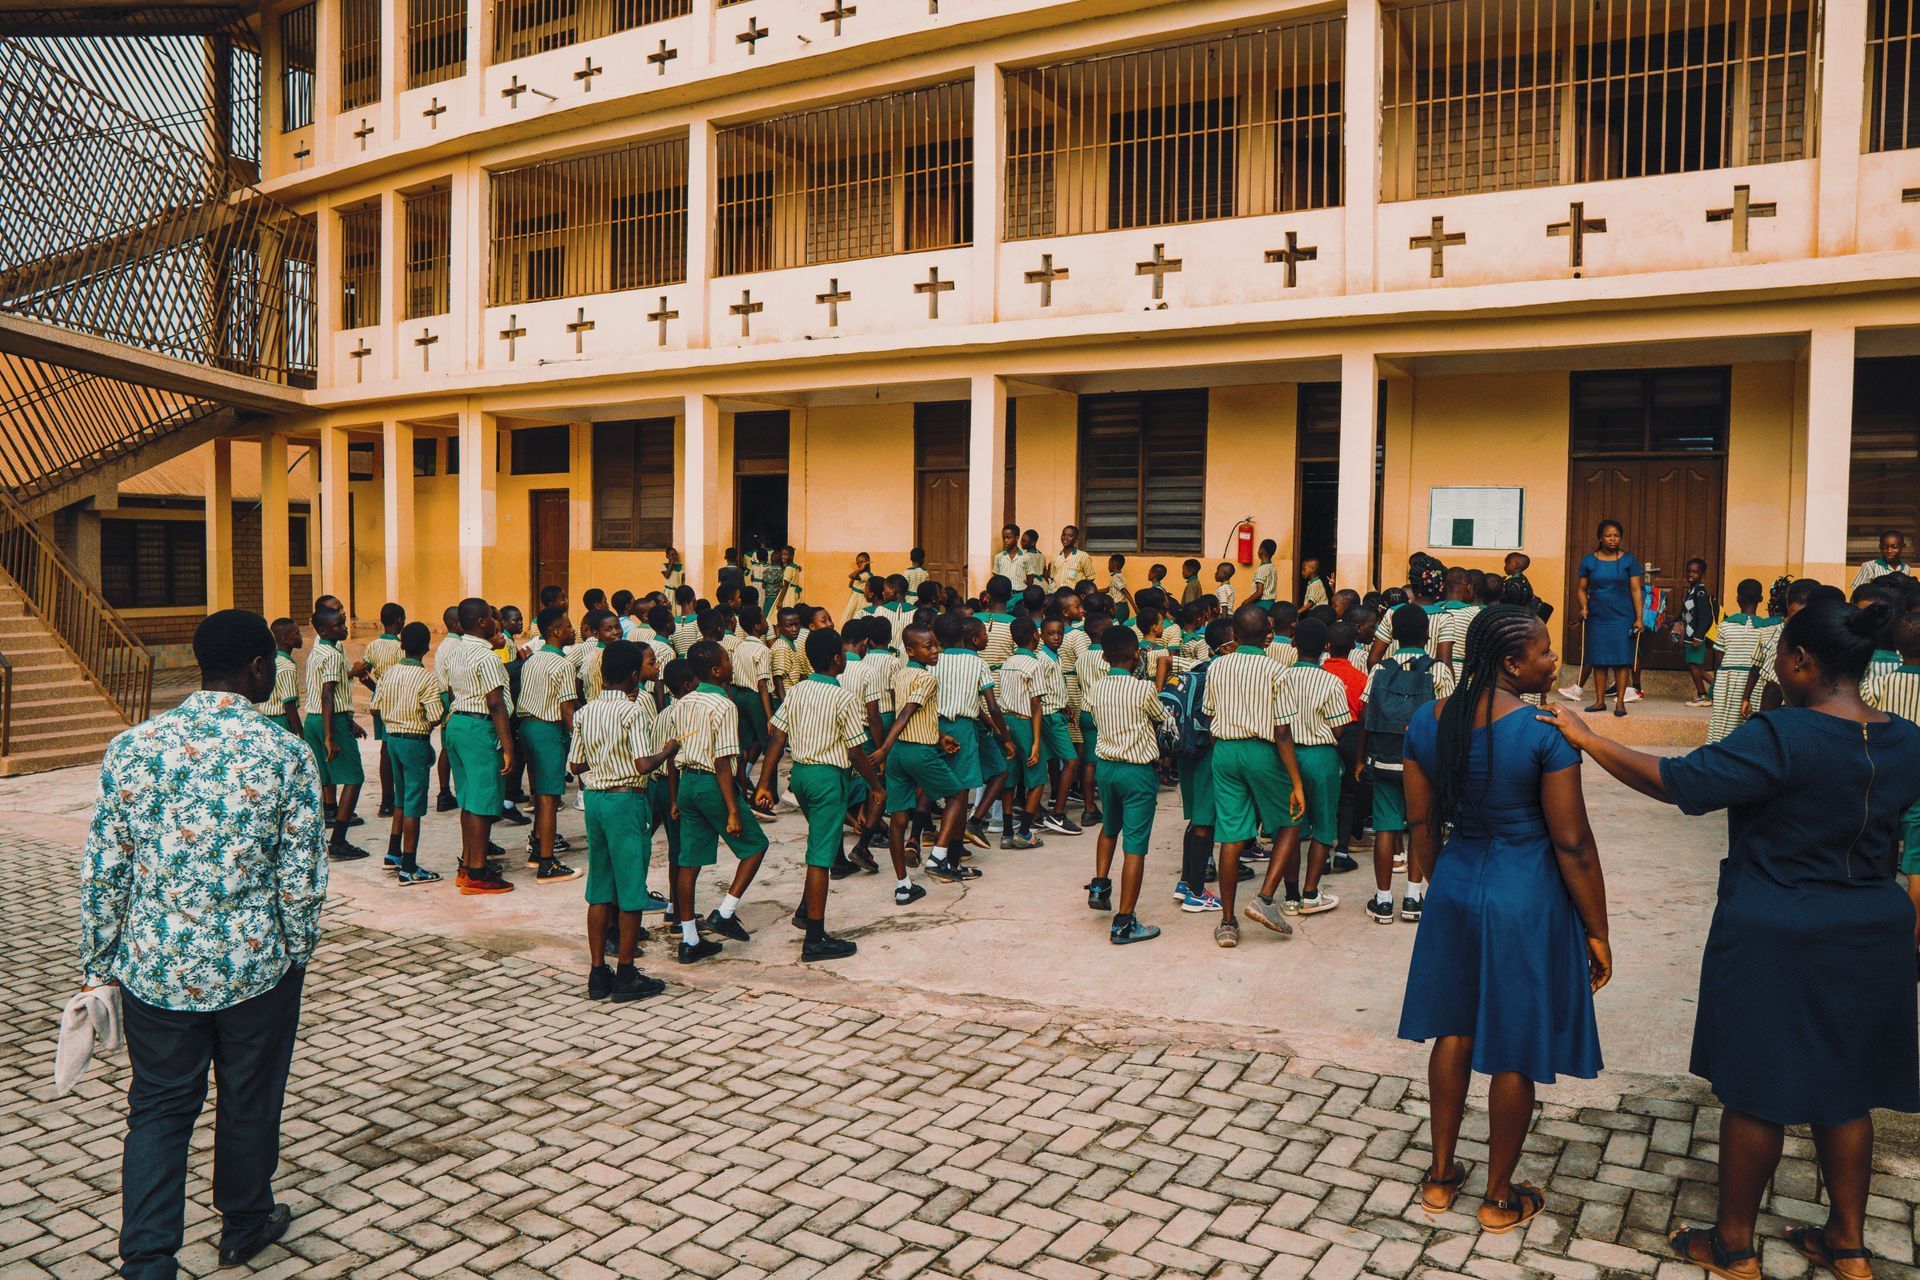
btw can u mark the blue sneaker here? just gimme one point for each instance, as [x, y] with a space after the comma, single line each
[653, 902]
[1198, 902]
[1126, 929]
[419, 875]
[392, 861]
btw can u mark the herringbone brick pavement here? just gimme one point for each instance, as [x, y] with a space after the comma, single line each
[458, 1113]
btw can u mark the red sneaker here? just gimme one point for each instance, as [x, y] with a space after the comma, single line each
[484, 881]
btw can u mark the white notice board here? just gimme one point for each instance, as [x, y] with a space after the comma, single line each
[1476, 517]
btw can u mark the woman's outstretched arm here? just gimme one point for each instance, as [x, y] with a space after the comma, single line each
[1565, 806]
[1635, 768]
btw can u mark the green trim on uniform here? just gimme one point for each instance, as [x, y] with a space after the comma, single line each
[544, 743]
[1389, 801]
[412, 761]
[1196, 789]
[619, 846]
[1250, 789]
[474, 755]
[1129, 795]
[345, 769]
[993, 761]
[1320, 774]
[822, 792]
[703, 824]
[915, 766]
[965, 763]
[1024, 775]
[1089, 735]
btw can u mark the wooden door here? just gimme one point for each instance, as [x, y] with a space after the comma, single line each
[940, 432]
[552, 514]
[1672, 508]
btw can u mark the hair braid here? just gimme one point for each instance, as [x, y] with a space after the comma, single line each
[1496, 633]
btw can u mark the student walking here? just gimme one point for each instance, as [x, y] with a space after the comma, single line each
[408, 700]
[1127, 710]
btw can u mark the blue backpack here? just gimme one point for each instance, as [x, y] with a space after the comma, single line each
[1396, 695]
[1187, 731]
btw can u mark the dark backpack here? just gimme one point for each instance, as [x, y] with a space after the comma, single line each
[1187, 731]
[1397, 695]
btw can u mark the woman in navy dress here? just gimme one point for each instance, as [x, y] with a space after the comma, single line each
[1806, 1009]
[1609, 600]
[1513, 941]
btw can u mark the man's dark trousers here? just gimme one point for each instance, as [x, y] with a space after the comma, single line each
[250, 1047]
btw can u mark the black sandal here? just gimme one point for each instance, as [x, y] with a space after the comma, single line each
[1811, 1244]
[1598, 706]
[1523, 1196]
[1720, 1260]
[1451, 1184]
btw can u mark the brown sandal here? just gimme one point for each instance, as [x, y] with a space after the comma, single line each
[1527, 1202]
[1448, 1186]
[1720, 1261]
[1811, 1244]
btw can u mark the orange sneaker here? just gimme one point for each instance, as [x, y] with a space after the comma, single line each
[484, 881]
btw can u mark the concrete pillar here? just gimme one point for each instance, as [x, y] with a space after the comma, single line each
[467, 246]
[704, 509]
[702, 197]
[989, 196]
[1353, 524]
[1362, 95]
[1843, 81]
[404, 357]
[1397, 487]
[391, 82]
[326, 85]
[276, 591]
[83, 543]
[336, 545]
[397, 512]
[218, 509]
[1829, 455]
[479, 472]
[986, 476]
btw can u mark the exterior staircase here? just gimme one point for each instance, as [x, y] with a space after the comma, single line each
[56, 715]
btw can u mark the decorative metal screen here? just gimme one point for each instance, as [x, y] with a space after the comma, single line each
[297, 34]
[884, 175]
[1893, 64]
[1494, 95]
[522, 27]
[590, 224]
[360, 267]
[436, 41]
[359, 53]
[1229, 126]
[428, 218]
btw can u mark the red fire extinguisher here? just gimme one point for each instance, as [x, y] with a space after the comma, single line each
[1243, 541]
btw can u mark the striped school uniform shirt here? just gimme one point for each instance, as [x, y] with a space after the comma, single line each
[382, 652]
[790, 662]
[1225, 594]
[821, 720]
[1194, 649]
[1248, 696]
[1090, 668]
[1266, 580]
[919, 685]
[1883, 662]
[286, 686]
[1008, 565]
[1877, 568]
[686, 634]
[610, 734]
[1125, 711]
[752, 663]
[1070, 569]
[1053, 684]
[471, 670]
[663, 651]
[547, 680]
[1281, 650]
[1034, 564]
[407, 698]
[916, 578]
[999, 638]
[1745, 641]
[709, 728]
[1319, 704]
[1021, 681]
[880, 667]
[1896, 692]
[1077, 642]
[962, 676]
[1453, 630]
[327, 665]
[587, 662]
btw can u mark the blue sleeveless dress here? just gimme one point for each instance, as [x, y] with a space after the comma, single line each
[1501, 954]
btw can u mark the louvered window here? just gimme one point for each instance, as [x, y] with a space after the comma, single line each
[1143, 471]
[633, 484]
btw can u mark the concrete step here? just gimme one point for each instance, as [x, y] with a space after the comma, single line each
[24, 762]
[60, 736]
[74, 690]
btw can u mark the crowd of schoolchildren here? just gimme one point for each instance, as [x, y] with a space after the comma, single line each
[920, 726]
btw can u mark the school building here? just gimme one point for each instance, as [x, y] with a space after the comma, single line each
[560, 282]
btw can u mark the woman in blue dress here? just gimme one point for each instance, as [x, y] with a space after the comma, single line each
[1806, 984]
[1513, 942]
[1608, 589]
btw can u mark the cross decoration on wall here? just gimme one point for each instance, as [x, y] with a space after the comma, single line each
[1435, 242]
[1293, 255]
[933, 286]
[577, 326]
[838, 14]
[1159, 266]
[752, 36]
[586, 74]
[832, 299]
[662, 56]
[425, 341]
[661, 317]
[746, 309]
[433, 113]
[1743, 208]
[512, 333]
[364, 132]
[1576, 229]
[1045, 277]
[360, 353]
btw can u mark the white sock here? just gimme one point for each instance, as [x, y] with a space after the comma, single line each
[1383, 896]
[1416, 891]
[729, 905]
[938, 853]
[689, 932]
[906, 882]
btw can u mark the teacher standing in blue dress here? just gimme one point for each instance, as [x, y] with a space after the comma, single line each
[1608, 591]
[1806, 985]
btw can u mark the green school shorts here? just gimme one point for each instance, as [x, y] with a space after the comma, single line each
[660, 802]
[1129, 794]
[1196, 789]
[345, 769]
[703, 824]
[915, 766]
[619, 846]
[823, 792]
[1389, 801]
[544, 744]
[1021, 774]
[379, 728]
[412, 761]
[1696, 654]
[1089, 735]
[1320, 771]
[1056, 739]
[993, 761]
[1250, 789]
[965, 762]
[473, 753]
[753, 717]
[1910, 853]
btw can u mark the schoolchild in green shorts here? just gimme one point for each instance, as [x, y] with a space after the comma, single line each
[991, 739]
[1409, 628]
[1022, 694]
[707, 804]
[752, 687]
[918, 755]
[543, 718]
[407, 698]
[283, 704]
[1319, 699]
[1128, 712]
[331, 730]
[443, 763]
[479, 738]
[1197, 795]
[382, 652]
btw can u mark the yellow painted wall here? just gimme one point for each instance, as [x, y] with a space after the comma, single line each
[1760, 471]
[850, 489]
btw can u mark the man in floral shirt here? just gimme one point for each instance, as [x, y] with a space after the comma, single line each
[205, 873]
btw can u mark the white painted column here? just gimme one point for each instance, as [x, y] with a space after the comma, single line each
[391, 81]
[1829, 457]
[702, 199]
[1353, 525]
[1843, 81]
[986, 476]
[336, 547]
[276, 590]
[989, 193]
[326, 300]
[403, 358]
[703, 515]
[1361, 203]
[479, 472]
[326, 83]
[219, 517]
[467, 247]
[397, 513]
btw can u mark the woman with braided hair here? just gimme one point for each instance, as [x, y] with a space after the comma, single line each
[1513, 943]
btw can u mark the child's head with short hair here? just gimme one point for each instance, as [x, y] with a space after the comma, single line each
[1030, 540]
[450, 619]
[286, 633]
[826, 651]
[1223, 572]
[1267, 548]
[512, 621]
[1410, 628]
[660, 618]
[680, 677]
[1052, 632]
[1024, 633]
[1747, 594]
[594, 599]
[1219, 634]
[552, 595]
[1285, 615]
[392, 618]
[1310, 639]
[918, 558]
[788, 621]
[1120, 646]
[1009, 536]
[1696, 570]
[621, 602]
[1517, 562]
[709, 662]
[414, 639]
[1156, 572]
[683, 597]
[711, 624]
[600, 625]
[1116, 562]
[1190, 568]
[620, 665]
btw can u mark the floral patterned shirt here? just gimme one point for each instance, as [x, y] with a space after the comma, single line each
[206, 866]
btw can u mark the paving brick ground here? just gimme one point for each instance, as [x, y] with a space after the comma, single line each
[457, 1113]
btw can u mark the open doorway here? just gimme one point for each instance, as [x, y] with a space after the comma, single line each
[761, 501]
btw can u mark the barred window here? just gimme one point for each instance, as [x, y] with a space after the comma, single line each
[297, 29]
[429, 219]
[359, 53]
[1893, 65]
[523, 27]
[436, 41]
[1143, 472]
[633, 484]
[299, 294]
[590, 224]
[360, 267]
[885, 175]
[540, 451]
[154, 564]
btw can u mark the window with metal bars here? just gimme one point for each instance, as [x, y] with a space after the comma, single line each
[633, 484]
[428, 216]
[1495, 95]
[154, 564]
[1881, 493]
[523, 27]
[360, 267]
[892, 174]
[299, 294]
[297, 38]
[1235, 125]
[1143, 472]
[1642, 411]
[1893, 67]
[540, 451]
[359, 53]
[590, 224]
[436, 41]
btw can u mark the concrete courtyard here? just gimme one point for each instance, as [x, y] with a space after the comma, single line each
[987, 1089]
